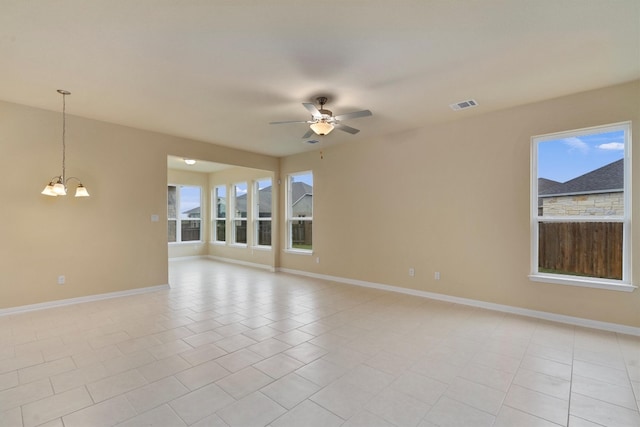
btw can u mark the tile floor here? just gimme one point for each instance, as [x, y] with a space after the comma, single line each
[235, 346]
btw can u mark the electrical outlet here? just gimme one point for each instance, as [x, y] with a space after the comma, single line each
[436, 275]
[412, 272]
[317, 260]
[61, 280]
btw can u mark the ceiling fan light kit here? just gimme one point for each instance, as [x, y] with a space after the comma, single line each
[321, 128]
[323, 121]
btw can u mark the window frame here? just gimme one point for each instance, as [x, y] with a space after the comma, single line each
[290, 218]
[179, 220]
[256, 214]
[216, 218]
[234, 218]
[624, 284]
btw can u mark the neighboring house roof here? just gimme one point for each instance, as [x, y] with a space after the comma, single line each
[608, 178]
[193, 213]
[264, 201]
[299, 190]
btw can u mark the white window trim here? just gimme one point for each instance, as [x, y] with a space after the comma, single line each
[625, 284]
[178, 220]
[290, 218]
[232, 215]
[216, 218]
[256, 215]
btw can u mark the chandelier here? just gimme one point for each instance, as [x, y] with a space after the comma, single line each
[58, 184]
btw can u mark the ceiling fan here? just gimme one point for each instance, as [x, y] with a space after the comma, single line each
[323, 121]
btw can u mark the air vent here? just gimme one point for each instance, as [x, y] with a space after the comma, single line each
[463, 105]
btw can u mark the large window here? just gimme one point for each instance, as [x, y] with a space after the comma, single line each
[581, 207]
[300, 211]
[240, 213]
[220, 213]
[183, 213]
[262, 212]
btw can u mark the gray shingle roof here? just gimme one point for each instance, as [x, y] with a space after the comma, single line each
[608, 178]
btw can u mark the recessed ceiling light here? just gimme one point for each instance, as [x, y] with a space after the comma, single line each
[190, 161]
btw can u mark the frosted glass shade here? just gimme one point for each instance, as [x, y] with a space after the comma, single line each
[321, 128]
[81, 191]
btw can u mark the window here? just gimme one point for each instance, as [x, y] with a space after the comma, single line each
[183, 213]
[300, 211]
[220, 213]
[581, 207]
[262, 212]
[240, 213]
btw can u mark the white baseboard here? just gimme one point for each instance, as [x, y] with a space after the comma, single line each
[561, 318]
[187, 258]
[79, 300]
[244, 263]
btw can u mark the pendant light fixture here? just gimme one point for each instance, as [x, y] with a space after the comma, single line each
[58, 184]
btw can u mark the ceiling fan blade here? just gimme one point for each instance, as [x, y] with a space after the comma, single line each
[308, 134]
[354, 115]
[288, 121]
[312, 109]
[346, 128]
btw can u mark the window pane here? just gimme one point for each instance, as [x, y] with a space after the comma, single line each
[189, 202]
[582, 175]
[172, 211]
[172, 230]
[240, 231]
[240, 203]
[264, 198]
[221, 230]
[301, 195]
[190, 230]
[264, 232]
[592, 249]
[301, 235]
[221, 201]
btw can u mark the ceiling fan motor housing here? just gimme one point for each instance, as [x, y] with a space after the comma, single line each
[326, 114]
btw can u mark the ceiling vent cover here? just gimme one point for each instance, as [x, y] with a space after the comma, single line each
[463, 105]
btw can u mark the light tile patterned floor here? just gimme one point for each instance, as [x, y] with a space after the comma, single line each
[235, 346]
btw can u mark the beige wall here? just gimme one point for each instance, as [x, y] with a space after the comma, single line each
[454, 198]
[102, 244]
[433, 199]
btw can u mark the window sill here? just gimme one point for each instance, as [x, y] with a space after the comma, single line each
[261, 248]
[612, 285]
[190, 242]
[298, 251]
[218, 243]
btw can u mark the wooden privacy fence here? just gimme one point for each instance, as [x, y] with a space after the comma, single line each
[581, 248]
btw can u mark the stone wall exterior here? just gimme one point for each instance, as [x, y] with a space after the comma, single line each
[603, 204]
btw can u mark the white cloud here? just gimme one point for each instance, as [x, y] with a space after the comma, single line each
[577, 144]
[612, 146]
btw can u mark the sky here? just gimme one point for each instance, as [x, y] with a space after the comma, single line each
[567, 158]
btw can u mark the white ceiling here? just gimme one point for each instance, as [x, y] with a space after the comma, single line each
[221, 70]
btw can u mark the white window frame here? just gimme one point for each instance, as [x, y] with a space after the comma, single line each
[234, 218]
[216, 218]
[291, 218]
[179, 220]
[625, 284]
[256, 213]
